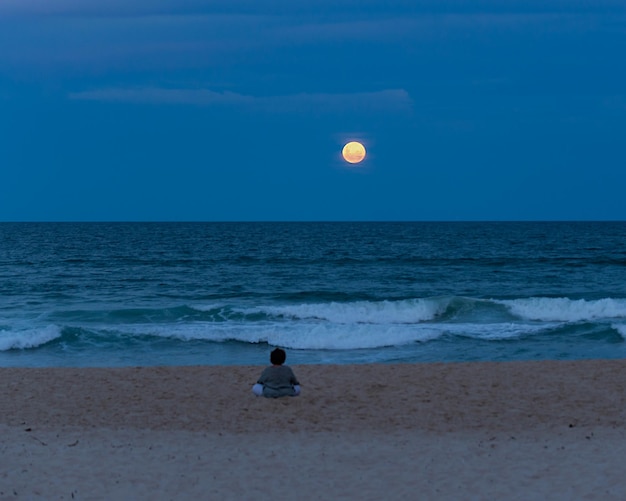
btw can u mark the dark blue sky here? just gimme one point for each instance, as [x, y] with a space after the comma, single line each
[238, 109]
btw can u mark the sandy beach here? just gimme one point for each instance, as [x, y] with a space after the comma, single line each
[513, 430]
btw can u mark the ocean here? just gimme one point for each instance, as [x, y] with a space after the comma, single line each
[141, 294]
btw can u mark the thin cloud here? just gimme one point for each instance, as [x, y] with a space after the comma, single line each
[385, 101]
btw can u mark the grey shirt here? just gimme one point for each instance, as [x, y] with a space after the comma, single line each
[278, 381]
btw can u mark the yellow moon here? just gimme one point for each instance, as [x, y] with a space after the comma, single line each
[353, 152]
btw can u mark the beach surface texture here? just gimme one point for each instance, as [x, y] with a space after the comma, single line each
[506, 430]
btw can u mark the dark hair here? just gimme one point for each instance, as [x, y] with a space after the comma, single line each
[278, 357]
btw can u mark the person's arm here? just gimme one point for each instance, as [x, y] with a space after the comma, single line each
[262, 377]
[293, 378]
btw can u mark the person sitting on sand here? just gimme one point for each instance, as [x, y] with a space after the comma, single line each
[278, 380]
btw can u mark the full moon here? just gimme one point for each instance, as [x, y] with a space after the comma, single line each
[353, 152]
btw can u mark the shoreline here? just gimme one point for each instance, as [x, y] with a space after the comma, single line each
[445, 430]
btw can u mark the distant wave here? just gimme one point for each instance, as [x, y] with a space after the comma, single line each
[318, 326]
[566, 310]
[373, 312]
[301, 336]
[411, 311]
[329, 336]
[621, 329]
[28, 338]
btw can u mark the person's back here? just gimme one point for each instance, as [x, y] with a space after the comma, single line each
[278, 380]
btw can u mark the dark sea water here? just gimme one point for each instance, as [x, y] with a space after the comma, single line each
[111, 294]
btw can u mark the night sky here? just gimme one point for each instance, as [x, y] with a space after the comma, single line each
[237, 110]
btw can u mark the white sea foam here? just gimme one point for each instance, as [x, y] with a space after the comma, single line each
[364, 336]
[566, 310]
[499, 331]
[332, 336]
[28, 338]
[621, 328]
[344, 326]
[368, 324]
[408, 311]
[303, 336]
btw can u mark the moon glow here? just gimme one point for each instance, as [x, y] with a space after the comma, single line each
[353, 152]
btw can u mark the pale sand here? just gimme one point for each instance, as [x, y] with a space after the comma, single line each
[515, 430]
